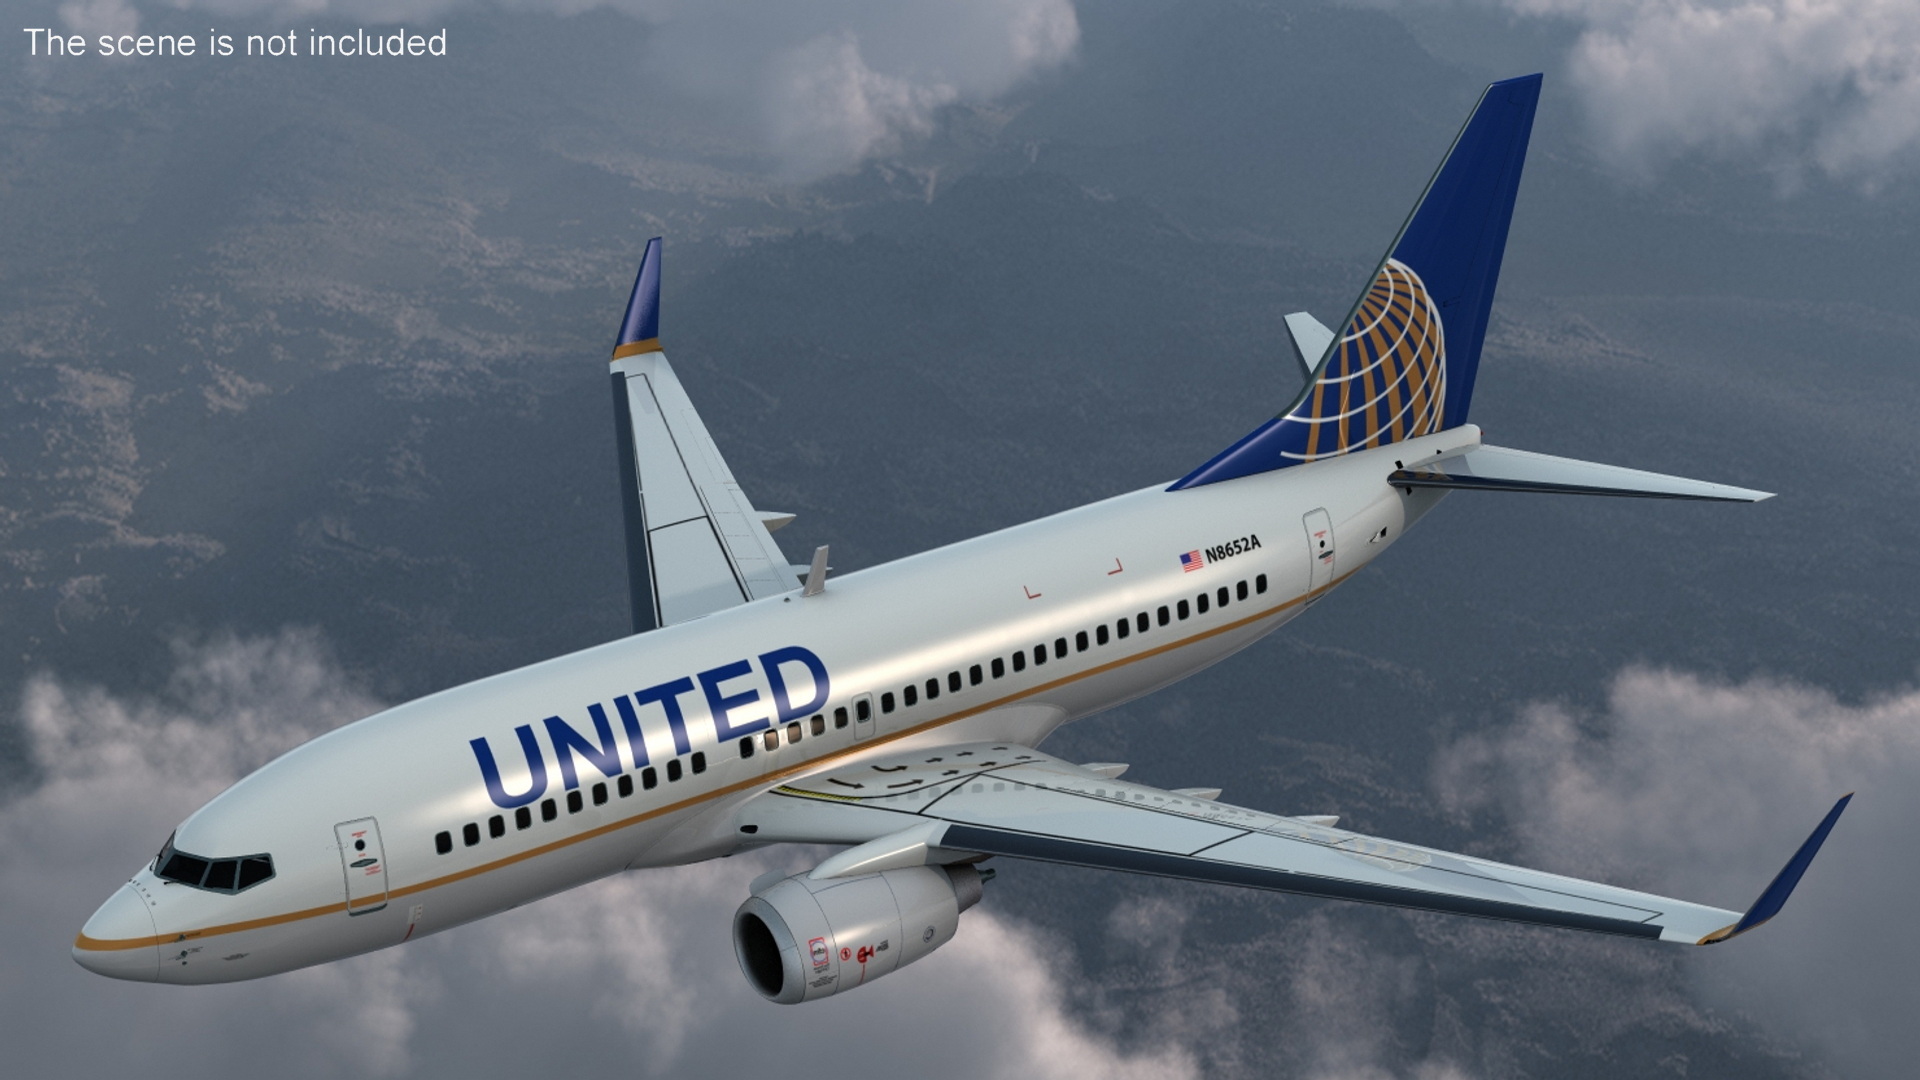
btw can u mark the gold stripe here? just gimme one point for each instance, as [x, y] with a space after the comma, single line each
[112, 944]
[96, 944]
[635, 348]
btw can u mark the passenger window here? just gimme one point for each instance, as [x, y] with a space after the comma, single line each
[910, 697]
[770, 739]
[793, 731]
[975, 676]
[1080, 641]
[933, 689]
[673, 770]
[550, 809]
[599, 794]
[1163, 615]
[953, 680]
[863, 710]
[649, 779]
[523, 817]
[1059, 648]
[1140, 621]
[1182, 609]
[1221, 596]
[1200, 603]
[886, 702]
[220, 874]
[1240, 591]
[1040, 654]
[1100, 634]
[1019, 660]
[819, 724]
[575, 802]
[470, 833]
[259, 868]
[1260, 583]
[1123, 627]
[443, 842]
[999, 667]
[496, 826]
[746, 746]
[626, 784]
[840, 717]
[699, 761]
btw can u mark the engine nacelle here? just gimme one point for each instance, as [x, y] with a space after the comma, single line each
[799, 939]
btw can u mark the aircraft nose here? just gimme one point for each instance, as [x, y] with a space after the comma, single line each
[120, 941]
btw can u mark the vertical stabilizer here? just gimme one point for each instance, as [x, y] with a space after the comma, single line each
[1404, 366]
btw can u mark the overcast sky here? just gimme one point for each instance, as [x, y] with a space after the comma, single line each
[303, 417]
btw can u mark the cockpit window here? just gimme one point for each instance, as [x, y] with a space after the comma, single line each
[254, 870]
[215, 875]
[220, 875]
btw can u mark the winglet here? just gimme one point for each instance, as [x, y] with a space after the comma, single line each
[1775, 898]
[640, 330]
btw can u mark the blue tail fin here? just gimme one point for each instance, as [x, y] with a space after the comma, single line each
[1405, 364]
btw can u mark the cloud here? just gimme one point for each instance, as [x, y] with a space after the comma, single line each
[1347, 997]
[94, 17]
[820, 86]
[1831, 86]
[827, 85]
[1697, 789]
[828, 107]
[633, 974]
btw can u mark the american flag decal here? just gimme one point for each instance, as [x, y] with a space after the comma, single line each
[1192, 561]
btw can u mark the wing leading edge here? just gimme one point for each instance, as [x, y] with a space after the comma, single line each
[695, 545]
[1000, 799]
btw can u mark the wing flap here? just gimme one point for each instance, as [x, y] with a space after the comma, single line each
[1017, 802]
[1248, 875]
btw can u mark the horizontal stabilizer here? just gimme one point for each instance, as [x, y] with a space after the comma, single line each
[1495, 468]
[1775, 898]
[1310, 341]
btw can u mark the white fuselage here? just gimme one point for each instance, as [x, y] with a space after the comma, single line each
[398, 780]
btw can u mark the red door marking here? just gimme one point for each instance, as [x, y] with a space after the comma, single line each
[1031, 595]
[1116, 566]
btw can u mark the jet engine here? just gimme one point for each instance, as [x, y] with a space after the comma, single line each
[800, 939]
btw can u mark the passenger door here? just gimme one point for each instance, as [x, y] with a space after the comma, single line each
[365, 864]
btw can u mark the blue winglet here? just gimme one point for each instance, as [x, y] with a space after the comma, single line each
[640, 330]
[1404, 363]
[1775, 897]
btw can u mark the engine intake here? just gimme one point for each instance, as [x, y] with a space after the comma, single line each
[800, 939]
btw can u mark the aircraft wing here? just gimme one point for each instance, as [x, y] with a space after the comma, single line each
[946, 804]
[695, 545]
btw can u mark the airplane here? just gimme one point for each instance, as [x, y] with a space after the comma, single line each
[897, 712]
